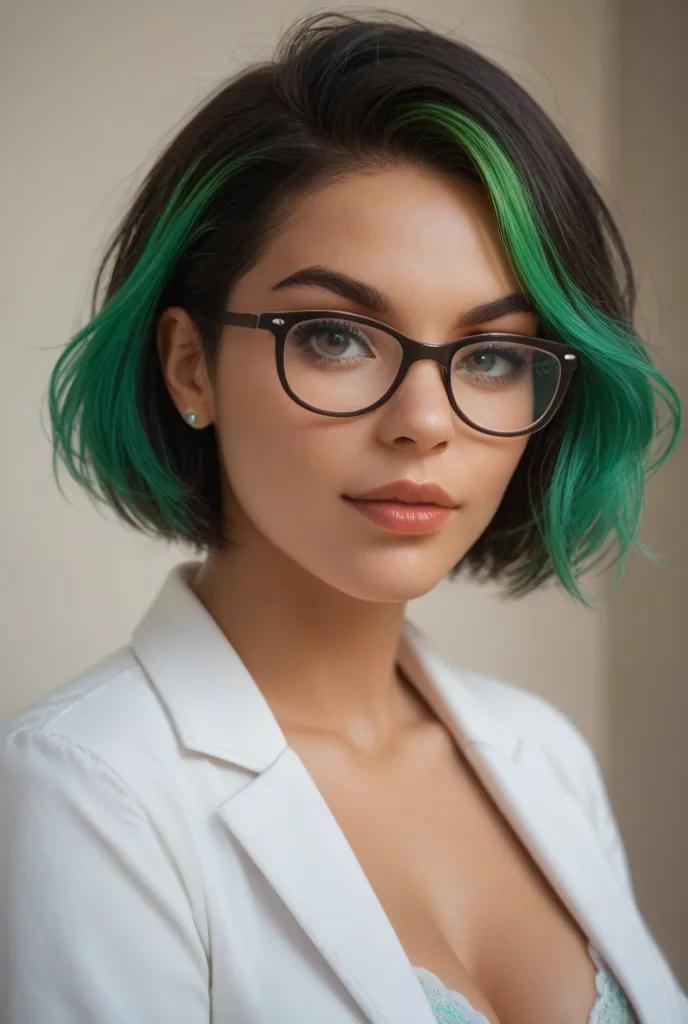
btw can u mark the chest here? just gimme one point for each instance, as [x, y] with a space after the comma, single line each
[465, 898]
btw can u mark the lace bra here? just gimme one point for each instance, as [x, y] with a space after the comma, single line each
[449, 1007]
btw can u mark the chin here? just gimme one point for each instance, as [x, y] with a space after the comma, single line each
[393, 576]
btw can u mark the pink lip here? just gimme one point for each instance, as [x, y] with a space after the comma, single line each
[403, 518]
[408, 492]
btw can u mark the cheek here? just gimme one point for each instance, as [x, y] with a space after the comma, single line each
[489, 466]
[484, 468]
[287, 468]
[278, 457]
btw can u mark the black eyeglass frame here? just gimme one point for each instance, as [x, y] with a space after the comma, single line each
[279, 325]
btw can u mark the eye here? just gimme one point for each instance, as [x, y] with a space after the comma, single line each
[330, 341]
[493, 363]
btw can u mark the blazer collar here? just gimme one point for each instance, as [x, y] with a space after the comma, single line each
[218, 709]
[178, 638]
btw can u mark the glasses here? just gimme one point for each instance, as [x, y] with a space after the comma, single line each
[343, 364]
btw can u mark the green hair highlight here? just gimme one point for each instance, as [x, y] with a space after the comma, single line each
[598, 482]
[597, 487]
[95, 385]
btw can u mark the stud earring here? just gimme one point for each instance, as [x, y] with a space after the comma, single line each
[190, 417]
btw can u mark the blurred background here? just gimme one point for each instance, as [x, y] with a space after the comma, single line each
[92, 93]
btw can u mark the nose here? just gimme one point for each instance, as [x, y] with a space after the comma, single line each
[419, 411]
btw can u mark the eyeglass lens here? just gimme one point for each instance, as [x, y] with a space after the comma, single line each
[338, 365]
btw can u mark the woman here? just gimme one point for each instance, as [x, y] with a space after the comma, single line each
[364, 328]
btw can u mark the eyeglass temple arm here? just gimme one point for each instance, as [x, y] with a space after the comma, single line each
[240, 319]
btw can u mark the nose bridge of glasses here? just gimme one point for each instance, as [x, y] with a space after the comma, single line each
[438, 352]
[437, 360]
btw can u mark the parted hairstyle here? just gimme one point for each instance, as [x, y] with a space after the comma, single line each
[346, 92]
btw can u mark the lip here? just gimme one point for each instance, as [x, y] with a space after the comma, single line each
[407, 492]
[400, 517]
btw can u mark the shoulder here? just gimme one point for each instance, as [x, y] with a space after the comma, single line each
[546, 735]
[522, 723]
[96, 844]
[534, 718]
[110, 699]
[98, 761]
[550, 745]
[106, 723]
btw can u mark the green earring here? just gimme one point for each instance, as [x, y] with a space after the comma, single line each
[190, 417]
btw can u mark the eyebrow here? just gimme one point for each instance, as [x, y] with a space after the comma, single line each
[371, 298]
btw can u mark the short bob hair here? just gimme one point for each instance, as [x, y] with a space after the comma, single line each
[343, 93]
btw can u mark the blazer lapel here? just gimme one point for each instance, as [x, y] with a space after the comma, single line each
[561, 841]
[286, 827]
[558, 835]
[279, 816]
[284, 824]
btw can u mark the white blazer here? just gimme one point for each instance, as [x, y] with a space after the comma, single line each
[166, 858]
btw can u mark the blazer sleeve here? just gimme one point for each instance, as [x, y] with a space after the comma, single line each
[95, 923]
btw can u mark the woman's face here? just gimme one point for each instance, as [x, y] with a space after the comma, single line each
[430, 245]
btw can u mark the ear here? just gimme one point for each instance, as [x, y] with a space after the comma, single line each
[184, 366]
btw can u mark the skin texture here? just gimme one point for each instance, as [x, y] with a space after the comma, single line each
[312, 595]
[326, 585]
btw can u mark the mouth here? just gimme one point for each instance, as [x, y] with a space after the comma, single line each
[413, 518]
[407, 492]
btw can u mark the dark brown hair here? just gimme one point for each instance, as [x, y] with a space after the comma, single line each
[345, 92]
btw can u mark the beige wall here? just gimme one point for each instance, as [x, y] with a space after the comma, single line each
[95, 88]
[646, 623]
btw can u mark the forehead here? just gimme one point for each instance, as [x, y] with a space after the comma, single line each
[405, 230]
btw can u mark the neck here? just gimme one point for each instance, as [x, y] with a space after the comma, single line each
[326, 662]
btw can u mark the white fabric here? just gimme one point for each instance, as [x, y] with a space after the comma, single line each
[166, 857]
